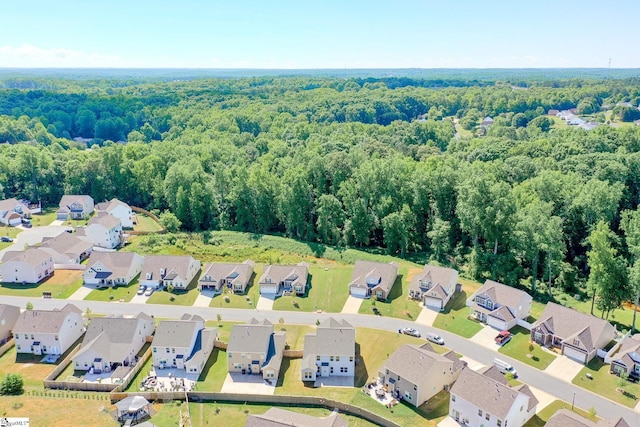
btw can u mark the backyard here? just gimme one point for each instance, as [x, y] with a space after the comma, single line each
[62, 284]
[146, 224]
[521, 348]
[605, 384]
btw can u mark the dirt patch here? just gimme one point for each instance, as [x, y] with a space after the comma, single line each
[627, 305]
[412, 271]
[65, 277]
[49, 411]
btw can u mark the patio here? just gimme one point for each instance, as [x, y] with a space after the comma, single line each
[169, 380]
[380, 394]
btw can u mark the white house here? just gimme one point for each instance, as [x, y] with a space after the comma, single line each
[112, 341]
[112, 268]
[48, 331]
[66, 248]
[12, 211]
[30, 266]
[499, 306]
[160, 271]
[255, 348]
[75, 207]
[434, 286]
[104, 231]
[480, 400]
[119, 209]
[8, 317]
[330, 351]
[183, 344]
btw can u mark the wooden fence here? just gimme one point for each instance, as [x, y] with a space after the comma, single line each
[7, 346]
[150, 215]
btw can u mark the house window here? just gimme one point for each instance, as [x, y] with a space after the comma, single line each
[576, 342]
[337, 358]
[32, 336]
[408, 395]
[56, 338]
[415, 387]
[229, 355]
[538, 336]
[173, 350]
[350, 358]
[344, 369]
[331, 370]
[479, 412]
[317, 357]
[387, 372]
[18, 346]
[155, 349]
[453, 397]
[331, 358]
[499, 423]
[487, 416]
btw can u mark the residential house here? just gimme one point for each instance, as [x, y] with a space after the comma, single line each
[478, 400]
[111, 342]
[12, 212]
[288, 278]
[118, 209]
[588, 125]
[66, 248]
[30, 266]
[255, 348]
[219, 276]
[373, 278]
[75, 207]
[331, 351]
[417, 373]
[434, 286]
[104, 231]
[567, 418]
[553, 112]
[499, 306]
[578, 335]
[160, 271]
[183, 344]
[48, 331]
[627, 359]
[8, 317]
[276, 417]
[112, 268]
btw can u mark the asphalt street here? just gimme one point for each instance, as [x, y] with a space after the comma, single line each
[534, 377]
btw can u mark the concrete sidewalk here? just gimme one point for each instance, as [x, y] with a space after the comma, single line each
[82, 293]
[352, 305]
[249, 384]
[427, 316]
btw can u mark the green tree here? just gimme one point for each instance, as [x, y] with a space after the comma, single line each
[330, 219]
[631, 226]
[169, 221]
[397, 228]
[12, 385]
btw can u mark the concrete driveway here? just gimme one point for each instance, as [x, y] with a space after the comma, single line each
[32, 236]
[139, 299]
[265, 303]
[544, 399]
[448, 422]
[204, 299]
[485, 337]
[249, 384]
[564, 368]
[82, 293]
[427, 316]
[352, 305]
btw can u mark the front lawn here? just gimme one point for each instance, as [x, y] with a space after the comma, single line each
[398, 304]
[62, 285]
[178, 297]
[124, 293]
[605, 384]
[328, 290]
[45, 218]
[519, 348]
[455, 317]
[541, 418]
[247, 300]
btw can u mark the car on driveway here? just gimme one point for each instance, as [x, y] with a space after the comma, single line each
[435, 338]
[26, 223]
[411, 331]
[141, 289]
[148, 292]
[6, 239]
[503, 337]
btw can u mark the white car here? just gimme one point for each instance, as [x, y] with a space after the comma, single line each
[411, 331]
[148, 292]
[141, 289]
[435, 338]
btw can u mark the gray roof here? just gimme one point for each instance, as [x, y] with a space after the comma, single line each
[67, 244]
[629, 352]
[567, 418]
[207, 341]
[333, 337]
[108, 221]
[493, 373]
[485, 393]
[178, 264]
[31, 256]
[252, 337]
[276, 417]
[9, 314]
[435, 274]
[176, 333]
[44, 321]
[11, 204]
[279, 342]
[111, 205]
[368, 274]
[414, 362]
[236, 273]
[69, 199]
[567, 324]
[118, 263]
[501, 294]
[279, 273]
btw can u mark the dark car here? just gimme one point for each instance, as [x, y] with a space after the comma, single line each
[503, 337]
[6, 239]
[26, 223]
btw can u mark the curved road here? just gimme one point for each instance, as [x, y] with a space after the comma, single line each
[536, 378]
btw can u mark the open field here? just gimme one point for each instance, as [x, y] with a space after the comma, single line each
[62, 284]
[60, 409]
[146, 224]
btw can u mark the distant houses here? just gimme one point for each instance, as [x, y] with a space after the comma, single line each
[66, 248]
[434, 286]
[104, 231]
[219, 276]
[118, 209]
[48, 331]
[161, 271]
[75, 207]
[112, 268]
[499, 305]
[373, 279]
[13, 211]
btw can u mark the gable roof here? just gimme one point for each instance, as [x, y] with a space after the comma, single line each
[567, 324]
[235, 273]
[111, 205]
[414, 363]
[501, 294]
[108, 221]
[10, 314]
[280, 273]
[111, 337]
[44, 321]
[332, 337]
[11, 204]
[368, 274]
[567, 418]
[177, 333]
[69, 199]
[118, 263]
[276, 417]
[252, 337]
[67, 244]
[31, 256]
[176, 264]
[435, 274]
[485, 393]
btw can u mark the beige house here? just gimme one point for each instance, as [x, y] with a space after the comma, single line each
[276, 417]
[75, 207]
[417, 373]
[218, 276]
[112, 268]
[373, 279]
[118, 209]
[30, 266]
[8, 317]
[287, 278]
[160, 271]
[111, 342]
[578, 335]
[499, 305]
[627, 358]
[12, 212]
[104, 231]
[48, 331]
[255, 348]
[434, 286]
[331, 351]
[567, 418]
[66, 248]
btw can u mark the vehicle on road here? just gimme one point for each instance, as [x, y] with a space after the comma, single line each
[504, 367]
[6, 239]
[503, 337]
[141, 289]
[148, 292]
[411, 331]
[435, 338]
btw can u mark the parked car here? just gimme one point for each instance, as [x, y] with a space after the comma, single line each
[26, 223]
[148, 292]
[503, 337]
[435, 338]
[6, 239]
[141, 289]
[411, 331]
[504, 367]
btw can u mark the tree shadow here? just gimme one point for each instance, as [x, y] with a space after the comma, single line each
[255, 236]
[318, 249]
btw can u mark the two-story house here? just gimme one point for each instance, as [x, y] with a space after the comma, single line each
[183, 344]
[75, 207]
[477, 400]
[330, 351]
[118, 209]
[578, 335]
[219, 276]
[276, 417]
[499, 305]
[104, 231]
[288, 278]
[372, 279]
[48, 331]
[112, 268]
[567, 418]
[111, 342]
[417, 373]
[255, 348]
[30, 266]
[627, 359]
[8, 317]
[161, 271]
[66, 248]
[13, 211]
[434, 286]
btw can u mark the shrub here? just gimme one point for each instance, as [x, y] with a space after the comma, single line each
[12, 385]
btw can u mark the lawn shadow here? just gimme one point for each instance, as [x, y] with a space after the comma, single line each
[396, 290]
[213, 358]
[362, 374]
[458, 302]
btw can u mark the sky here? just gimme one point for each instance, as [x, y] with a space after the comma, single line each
[302, 34]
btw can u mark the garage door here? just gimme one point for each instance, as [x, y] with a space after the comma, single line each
[268, 289]
[433, 303]
[575, 354]
[358, 292]
[497, 323]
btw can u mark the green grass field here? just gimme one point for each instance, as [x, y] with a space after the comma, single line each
[45, 218]
[518, 348]
[62, 285]
[146, 224]
[605, 384]
[455, 317]
[119, 293]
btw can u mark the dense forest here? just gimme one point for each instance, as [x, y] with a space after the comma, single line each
[400, 164]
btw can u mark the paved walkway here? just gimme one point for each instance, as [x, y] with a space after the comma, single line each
[82, 293]
[352, 305]
[564, 368]
[57, 222]
[448, 422]
[265, 303]
[204, 299]
[544, 399]
[250, 384]
[486, 337]
[139, 299]
[427, 316]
